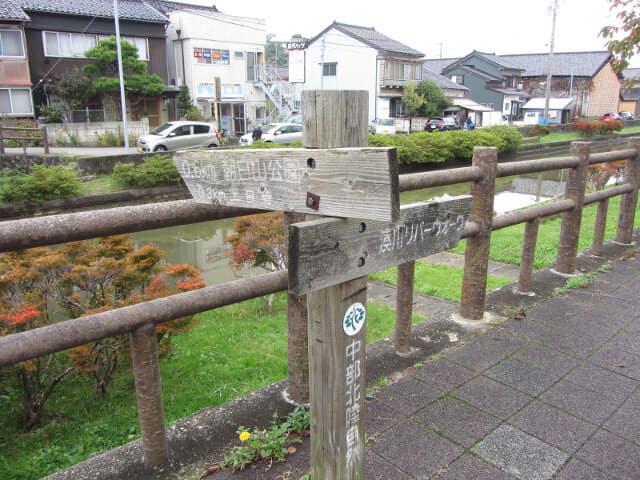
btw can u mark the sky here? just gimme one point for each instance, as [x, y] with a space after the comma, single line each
[444, 28]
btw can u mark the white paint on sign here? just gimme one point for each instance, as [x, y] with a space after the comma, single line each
[354, 354]
[354, 319]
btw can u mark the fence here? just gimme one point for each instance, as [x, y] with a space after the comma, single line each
[42, 136]
[140, 320]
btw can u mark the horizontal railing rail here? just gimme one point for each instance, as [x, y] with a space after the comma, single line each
[44, 137]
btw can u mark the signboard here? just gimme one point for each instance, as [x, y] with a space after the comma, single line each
[206, 90]
[328, 251]
[301, 45]
[342, 182]
[296, 66]
[231, 91]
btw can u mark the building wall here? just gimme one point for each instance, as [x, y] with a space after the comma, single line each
[14, 71]
[605, 92]
[576, 87]
[632, 106]
[477, 89]
[356, 68]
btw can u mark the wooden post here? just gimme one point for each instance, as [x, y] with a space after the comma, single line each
[146, 371]
[599, 230]
[528, 256]
[337, 314]
[404, 307]
[1, 138]
[298, 334]
[629, 200]
[476, 257]
[45, 139]
[570, 228]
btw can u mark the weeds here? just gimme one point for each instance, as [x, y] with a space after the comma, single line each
[582, 281]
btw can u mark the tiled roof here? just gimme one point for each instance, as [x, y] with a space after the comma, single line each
[630, 94]
[127, 9]
[10, 10]
[578, 64]
[371, 37]
[498, 60]
[631, 73]
[166, 6]
[440, 80]
[439, 64]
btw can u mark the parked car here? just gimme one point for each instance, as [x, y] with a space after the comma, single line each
[611, 116]
[284, 133]
[384, 126]
[626, 116]
[441, 124]
[179, 135]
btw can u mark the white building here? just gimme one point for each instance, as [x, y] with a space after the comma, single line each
[348, 57]
[221, 59]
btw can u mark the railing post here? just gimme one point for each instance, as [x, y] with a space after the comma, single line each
[570, 229]
[404, 307]
[146, 371]
[599, 229]
[476, 257]
[528, 256]
[298, 335]
[336, 354]
[45, 139]
[1, 138]
[629, 200]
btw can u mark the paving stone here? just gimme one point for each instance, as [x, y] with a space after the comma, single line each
[553, 426]
[407, 395]
[474, 356]
[627, 341]
[469, 467]
[379, 417]
[521, 376]
[613, 455]
[501, 340]
[527, 328]
[616, 360]
[547, 359]
[626, 421]
[601, 312]
[375, 468]
[584, 403]
[457, 420]
[577, 470]
[492, 397]
[442, 374]
[551, 309]
[602, 380]
[520, 454]
[583, 327]
[415, 449]
[570, 344]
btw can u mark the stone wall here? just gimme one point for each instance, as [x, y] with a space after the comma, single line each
[89, 134]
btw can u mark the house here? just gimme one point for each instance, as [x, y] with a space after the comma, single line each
[15, 80]
[493, 82]
[559, 110]
[350, 57]
[587, 77]
[61, 31]
[630, 91]
[221, 59]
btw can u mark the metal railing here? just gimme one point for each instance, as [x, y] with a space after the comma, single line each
[140, 320]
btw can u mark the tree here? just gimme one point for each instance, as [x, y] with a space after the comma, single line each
[434, 100]
[413, 100]
[184, 103]
[275, 52]
[103, 72]
[39, 286]
[624, 37]
[73, 89]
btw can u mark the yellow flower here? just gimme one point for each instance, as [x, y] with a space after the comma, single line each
[244, 436]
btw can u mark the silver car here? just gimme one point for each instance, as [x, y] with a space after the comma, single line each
[284, 133]
[179, 135]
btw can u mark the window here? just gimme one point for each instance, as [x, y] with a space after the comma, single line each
[459, 79]
[14, 101]
[238, 54]
[66, 44]
[252, 67]
[182, 130]
[11, 43]
[329, 69]
[140, 43]
[200, 129]
[211, 56]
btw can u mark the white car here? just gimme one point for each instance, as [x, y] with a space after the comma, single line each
[384, 126]
[284, 133]
[179, 135]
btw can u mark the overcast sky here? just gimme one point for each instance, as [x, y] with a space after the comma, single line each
[452, 28]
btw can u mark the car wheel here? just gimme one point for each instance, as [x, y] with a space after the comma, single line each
[160, 148]
[213, 145]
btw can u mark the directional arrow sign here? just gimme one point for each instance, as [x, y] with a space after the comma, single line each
[329, 251]
[342, 182]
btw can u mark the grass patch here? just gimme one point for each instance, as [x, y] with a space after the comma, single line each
[234, 350]
[569, 136]
[437, 280]
[101, 184]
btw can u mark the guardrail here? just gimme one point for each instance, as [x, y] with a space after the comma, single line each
[44, 137]
[140, 320]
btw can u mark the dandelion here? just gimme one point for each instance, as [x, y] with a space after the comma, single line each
[244, 436]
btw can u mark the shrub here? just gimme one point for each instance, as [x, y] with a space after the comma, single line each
[156, 170]
[539, 130]
[43, 183]
[53, 113]
[599, 127]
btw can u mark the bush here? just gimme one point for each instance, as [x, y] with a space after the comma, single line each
[155, 171]
[599, 127]
[43, 183]
[539, 131]
[53, 113]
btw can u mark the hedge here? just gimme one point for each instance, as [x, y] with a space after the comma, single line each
[426, 147]
[41, 184]
[157, 170]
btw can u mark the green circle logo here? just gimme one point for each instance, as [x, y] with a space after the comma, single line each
[354, 319]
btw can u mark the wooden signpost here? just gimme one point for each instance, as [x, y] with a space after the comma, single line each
[329, 258]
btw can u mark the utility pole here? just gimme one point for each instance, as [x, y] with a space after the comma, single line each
[547, 94]
[123, 102]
